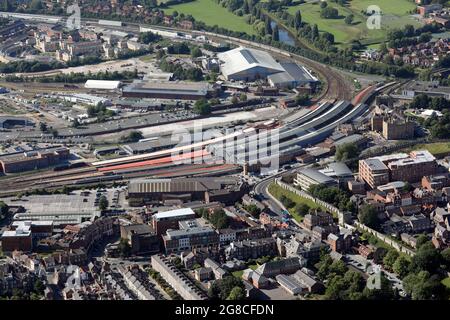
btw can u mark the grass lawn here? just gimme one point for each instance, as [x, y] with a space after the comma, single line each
[446, 282]
[212, 14]
[147, 58]
[395, 7]
[277, 192]
[435, 148]
[395, 14]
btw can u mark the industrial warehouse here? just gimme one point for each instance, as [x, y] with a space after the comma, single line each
[145, 191]
[169, 90]
[244, 64]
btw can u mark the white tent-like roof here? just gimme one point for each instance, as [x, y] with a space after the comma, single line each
[241, 59]
[102, 84]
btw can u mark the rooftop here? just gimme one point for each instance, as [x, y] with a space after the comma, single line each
[102, 84]
[293, 72]
[191, 88]
[173, 213]
[241, 59]
[315, 175]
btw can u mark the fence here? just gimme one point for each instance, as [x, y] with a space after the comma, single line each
[397, 246]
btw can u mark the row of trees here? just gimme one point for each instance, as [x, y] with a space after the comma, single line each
[181, 73]
[337, 197]
[344, 284]
[426, 102]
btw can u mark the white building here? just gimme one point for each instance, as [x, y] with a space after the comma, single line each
[102, 84]
[247, 64]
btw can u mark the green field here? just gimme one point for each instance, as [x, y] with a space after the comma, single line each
[394, 15]
[436, 148]
[212, 14]
[277, 192]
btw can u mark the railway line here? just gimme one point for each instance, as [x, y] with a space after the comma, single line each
[332, 108]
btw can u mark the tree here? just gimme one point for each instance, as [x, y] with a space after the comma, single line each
[222, 288]
[75, 123]
[4, 209]
[346, 151]
[302, 209]
[219, 219]
[43, 126]
[315, 32]
[368, 216]
[423, 286]
[384, 292]
[446, 257]
[253, 210]
[202, 107]
[421, 240]
[124, 248]
[103, 203]
[390, 258]
[329, 13]
[234, 100]
[335, 288]
[148, 37]
[302, 99]
[196, 52]
[427, 258]
[36, 5]
[323, 4]
[298, 20]
[275, 34]
[39, 287]
[243, 97]
[267, 26]
[401, 266]
[237, 293]
[287, 202]
[349, 19]
[133, 136]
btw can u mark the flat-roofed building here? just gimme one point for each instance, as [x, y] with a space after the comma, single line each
[374, 172]
[309, 177]
[149, 145]
[226, 190]
[19, 239]
[169, 90]
[379, 171]
[39, 229]
[176, 241]
[141, 237]
[166, 220]
[33, 160]
[338, 170]
[293, 76]
[420, 163]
